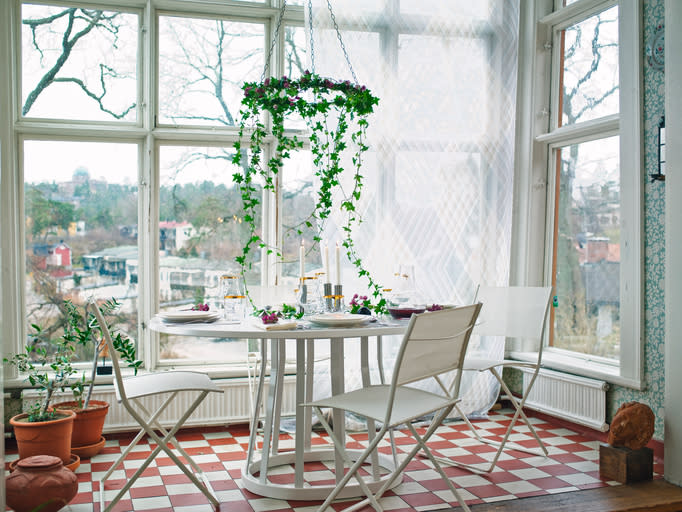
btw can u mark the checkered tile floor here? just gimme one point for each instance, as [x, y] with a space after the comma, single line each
[571, 465]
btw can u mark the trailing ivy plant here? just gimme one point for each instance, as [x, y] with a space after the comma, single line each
[332, 110]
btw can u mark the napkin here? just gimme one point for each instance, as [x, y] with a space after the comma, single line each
[282, 325]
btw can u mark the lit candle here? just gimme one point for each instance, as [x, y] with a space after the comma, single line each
[338, 264]
[301, 260]
[327, 277]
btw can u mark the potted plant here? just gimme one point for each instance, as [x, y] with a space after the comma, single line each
[48, 366]
[43, 430]
[81, 329]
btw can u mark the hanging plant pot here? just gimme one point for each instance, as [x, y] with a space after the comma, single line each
[336, 113]
[52, 437]
[86, 438]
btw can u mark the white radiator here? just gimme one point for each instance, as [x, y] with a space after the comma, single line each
[232, 406]
[570, 397]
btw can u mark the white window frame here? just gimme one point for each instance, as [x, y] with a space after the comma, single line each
[14, 129]
[537, 138]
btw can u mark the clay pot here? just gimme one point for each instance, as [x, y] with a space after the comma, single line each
[88, 424]
[40, 482]
[51, 437]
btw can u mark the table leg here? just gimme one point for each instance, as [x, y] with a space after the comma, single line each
[269, 410]
[337, 383]
[279, 386]
[253, 439]
[366, 381]
[309, 376]
[301, 379]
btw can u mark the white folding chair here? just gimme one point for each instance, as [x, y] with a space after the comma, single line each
[433, 344]
[513, 312]
[130, 390]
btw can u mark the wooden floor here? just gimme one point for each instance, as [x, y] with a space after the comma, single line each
[652, 496]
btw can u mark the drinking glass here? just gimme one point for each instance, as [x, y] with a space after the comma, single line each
[234, 296]
[309, 296]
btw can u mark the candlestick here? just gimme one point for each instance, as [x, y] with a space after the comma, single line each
[338, 264]
[301, 260]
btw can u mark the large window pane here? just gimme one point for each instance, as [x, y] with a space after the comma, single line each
[81, 230]
[202, 66]
[79, 63]
[587, 245]
[590, 68]
[201, 231]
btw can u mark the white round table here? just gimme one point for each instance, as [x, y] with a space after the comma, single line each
[255, 474]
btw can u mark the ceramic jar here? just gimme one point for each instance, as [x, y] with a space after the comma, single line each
[40, 482]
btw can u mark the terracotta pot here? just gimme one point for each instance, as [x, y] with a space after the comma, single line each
[40, 482]
[51, 437]
[88, 425]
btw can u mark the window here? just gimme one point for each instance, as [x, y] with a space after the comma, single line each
[123, 140]
[589, 152]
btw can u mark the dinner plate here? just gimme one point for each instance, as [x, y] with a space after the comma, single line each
[180, 316]
[340, 319]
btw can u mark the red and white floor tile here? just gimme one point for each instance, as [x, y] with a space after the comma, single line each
[573, 464]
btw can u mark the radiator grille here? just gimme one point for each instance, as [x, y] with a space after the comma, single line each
[570, 397]
[232, 406]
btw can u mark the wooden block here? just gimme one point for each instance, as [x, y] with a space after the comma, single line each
[625, 465]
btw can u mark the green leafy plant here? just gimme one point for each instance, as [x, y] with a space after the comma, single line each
[82, 329]
[52, 370]
[318, 101]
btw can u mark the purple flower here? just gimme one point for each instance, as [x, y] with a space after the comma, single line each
[267, 82]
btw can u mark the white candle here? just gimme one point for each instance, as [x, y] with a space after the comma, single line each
[338, 264]
[327, 277]
[301, 260]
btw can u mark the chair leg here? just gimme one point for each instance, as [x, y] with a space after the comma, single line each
[425, 449]
[501, 445]
[354, 467]
[162, 444]
[138, 437]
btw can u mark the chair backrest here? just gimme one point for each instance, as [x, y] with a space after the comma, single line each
[434, 343]
[513, 311]
[113, 355]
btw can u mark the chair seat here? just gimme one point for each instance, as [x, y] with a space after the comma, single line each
[370, 402]
[483, 364]
[166, 382]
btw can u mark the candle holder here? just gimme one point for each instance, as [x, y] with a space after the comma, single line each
[336, 299]
[328, 296]
[309, 297]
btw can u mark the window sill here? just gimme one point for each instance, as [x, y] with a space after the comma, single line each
[579, 364]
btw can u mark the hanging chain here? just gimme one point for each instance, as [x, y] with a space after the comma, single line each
[274, 39]
[343, 46]
[312, 45]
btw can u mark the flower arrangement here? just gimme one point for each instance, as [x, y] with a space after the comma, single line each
[315, 99]
[272, 316]
[361, 304]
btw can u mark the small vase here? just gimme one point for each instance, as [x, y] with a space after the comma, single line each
[40, 482]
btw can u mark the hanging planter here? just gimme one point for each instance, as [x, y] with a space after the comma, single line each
[336, 115]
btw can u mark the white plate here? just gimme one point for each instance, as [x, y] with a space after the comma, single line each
[340, 319]
[179, 316]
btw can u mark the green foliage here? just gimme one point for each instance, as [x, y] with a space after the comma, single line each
[51, 370]
[316, 100]
[287, 311]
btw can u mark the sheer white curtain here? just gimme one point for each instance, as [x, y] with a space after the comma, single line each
[438, 189]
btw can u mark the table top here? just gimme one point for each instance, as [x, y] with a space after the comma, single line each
[305, 330]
